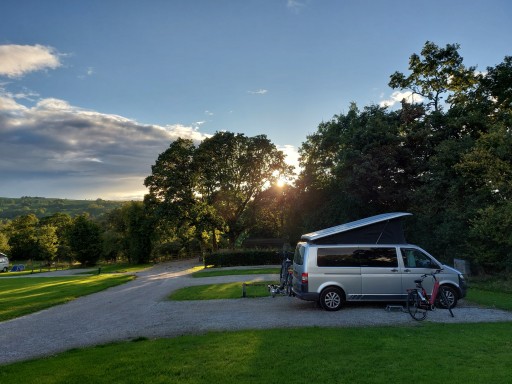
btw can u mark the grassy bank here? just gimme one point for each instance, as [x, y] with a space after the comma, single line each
[222, 291]
[24, 295]
[304, 355]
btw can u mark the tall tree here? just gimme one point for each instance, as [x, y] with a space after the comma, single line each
[232, 170]
[212, 186]
[61, 222]
[173, 198]
[438, 73]
[22, 237]
[85, 240]
[356, 164]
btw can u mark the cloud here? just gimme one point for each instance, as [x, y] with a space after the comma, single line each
[295, 5]
[55, 146]
[88, 72]
[258, 92]
[18, 60]
[397, 97]
[292, 155]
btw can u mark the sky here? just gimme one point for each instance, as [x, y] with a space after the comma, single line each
[91, 92]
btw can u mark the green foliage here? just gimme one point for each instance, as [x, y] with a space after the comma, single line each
[436, 73]
[211, 188]
[128, 232]
[236, 258]
[85, 240]
[11, 208]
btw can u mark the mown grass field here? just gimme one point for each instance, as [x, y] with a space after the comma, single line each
[426, 353]
[23, 295]
[222, 291]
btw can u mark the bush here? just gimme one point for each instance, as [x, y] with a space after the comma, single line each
[236, 258]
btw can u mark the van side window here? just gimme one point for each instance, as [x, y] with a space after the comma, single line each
[378, 257]
[414, 258]
[337, 257]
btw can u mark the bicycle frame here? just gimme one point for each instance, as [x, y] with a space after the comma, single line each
[418, 308]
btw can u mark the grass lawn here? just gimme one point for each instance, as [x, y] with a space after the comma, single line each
[221, 291]
[228, 272]
[426, 353]
[493, 292]
[501, 300]
[24, 295]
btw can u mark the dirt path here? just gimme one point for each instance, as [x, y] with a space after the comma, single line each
[139, 309]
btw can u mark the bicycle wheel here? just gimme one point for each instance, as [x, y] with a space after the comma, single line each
[445, 301]
[414, 306]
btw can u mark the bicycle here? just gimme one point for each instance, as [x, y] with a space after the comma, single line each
[285, 277]
[419, 302]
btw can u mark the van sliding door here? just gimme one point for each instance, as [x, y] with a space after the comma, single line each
[380, 274]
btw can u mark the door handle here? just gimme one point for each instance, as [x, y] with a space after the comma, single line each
[407, 270]
[394, 270]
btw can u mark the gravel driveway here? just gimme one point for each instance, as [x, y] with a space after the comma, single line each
[139, 309]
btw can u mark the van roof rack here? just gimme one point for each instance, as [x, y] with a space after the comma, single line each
[385, 228]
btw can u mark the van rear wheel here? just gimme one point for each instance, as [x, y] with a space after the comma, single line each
[331, 299]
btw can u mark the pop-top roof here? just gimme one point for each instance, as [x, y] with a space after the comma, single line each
[380, 229]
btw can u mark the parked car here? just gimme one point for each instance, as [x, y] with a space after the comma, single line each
[365, 260]
[4, 262]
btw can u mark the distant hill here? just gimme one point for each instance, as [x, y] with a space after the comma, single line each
[11, 208]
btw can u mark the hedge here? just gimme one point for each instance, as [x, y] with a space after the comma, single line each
[238, 258]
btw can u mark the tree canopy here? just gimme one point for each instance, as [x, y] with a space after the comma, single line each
[211, 187]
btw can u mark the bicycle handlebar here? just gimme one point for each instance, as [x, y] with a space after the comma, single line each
[432, 273]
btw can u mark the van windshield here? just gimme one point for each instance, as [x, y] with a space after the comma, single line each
[298, 257]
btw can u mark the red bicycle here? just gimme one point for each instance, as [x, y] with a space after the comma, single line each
[419, 302]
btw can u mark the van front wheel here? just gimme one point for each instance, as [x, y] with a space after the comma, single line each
[331, 299]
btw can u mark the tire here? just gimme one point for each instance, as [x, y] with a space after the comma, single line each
[287, 285]
[332, 299]
[5, 269]
[282, 276]
[451, 295]
[414, 306]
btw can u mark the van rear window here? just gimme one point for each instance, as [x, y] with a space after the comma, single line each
[298, 257]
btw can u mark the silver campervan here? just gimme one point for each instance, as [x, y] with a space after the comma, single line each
[365, 260]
